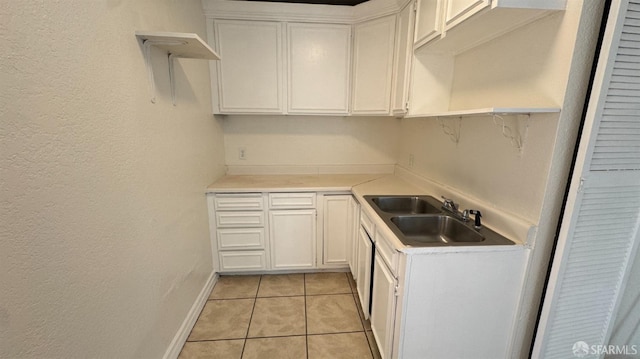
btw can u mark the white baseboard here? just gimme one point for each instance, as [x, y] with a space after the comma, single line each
[185, 329]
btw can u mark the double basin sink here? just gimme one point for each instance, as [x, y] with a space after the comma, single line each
[421, 221]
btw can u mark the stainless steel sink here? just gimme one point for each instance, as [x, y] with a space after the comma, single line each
[421, 221]
[405, 204]
[435, 228]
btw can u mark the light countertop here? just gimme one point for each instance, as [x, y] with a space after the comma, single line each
[358, 184]
[286, 183]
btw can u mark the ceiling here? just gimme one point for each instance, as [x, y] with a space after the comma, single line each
[325, 2]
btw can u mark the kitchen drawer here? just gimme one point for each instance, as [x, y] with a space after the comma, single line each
[367, 223]
[239, 202]
[240, 238]
[387, 252]
[242, 261]
[292, 200]
[240, 219]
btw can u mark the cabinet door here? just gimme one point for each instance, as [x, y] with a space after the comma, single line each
[383, 307]
[365, 251]
[402, 62]
[336, 230]
[318, 62]
[250, 77]
[292, 238]
[460, 10]
[373, 66]
[354, 211]
[428, 20]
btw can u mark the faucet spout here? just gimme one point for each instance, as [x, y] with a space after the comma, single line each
[449, 205]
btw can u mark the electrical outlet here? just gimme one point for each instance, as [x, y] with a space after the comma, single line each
[242, 153]
[411, 160]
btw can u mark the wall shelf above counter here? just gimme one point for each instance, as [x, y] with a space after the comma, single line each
[489, 111]
[179, 44]
[175, 44]
[515, 130]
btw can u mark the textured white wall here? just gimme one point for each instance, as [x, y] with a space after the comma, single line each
[103, 222]
[311, 140]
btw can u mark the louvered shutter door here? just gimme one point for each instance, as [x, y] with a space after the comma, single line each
[599, 232]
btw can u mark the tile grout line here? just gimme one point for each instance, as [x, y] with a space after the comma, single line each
[306, 319]
[255, 299]
[345, 332]
[359, 309]
[306, 322]
[324, 294]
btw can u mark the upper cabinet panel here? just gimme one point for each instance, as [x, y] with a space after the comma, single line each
[402, 60]
[428, 20]
[250, 78]
[459, 10]
[373, 66]
[318, 62]
[454, 26]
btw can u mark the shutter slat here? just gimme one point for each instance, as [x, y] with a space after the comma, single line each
[629, 51]
[627, 59]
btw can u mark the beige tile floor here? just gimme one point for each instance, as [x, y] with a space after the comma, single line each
[310, 316]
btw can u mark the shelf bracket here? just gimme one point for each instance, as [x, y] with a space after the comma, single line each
[147, 44]
[176, 44]
[517, 133]
[453, 132]
[172, 80]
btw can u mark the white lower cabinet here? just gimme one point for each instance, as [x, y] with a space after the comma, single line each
[363, 281]
[354, 210]
[421, 304]
[292, 236]
[337, 222]
[239, 238]
[278, 231]
[383, 306]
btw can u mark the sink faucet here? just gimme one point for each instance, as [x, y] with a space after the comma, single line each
[449, 205]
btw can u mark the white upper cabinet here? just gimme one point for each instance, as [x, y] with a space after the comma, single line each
[319, 58]
[278, 68]
[402, 62]
[373, 66]
[250, 80]
[454, 26]
[459, 10]
[428, 20]
[297, 58]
